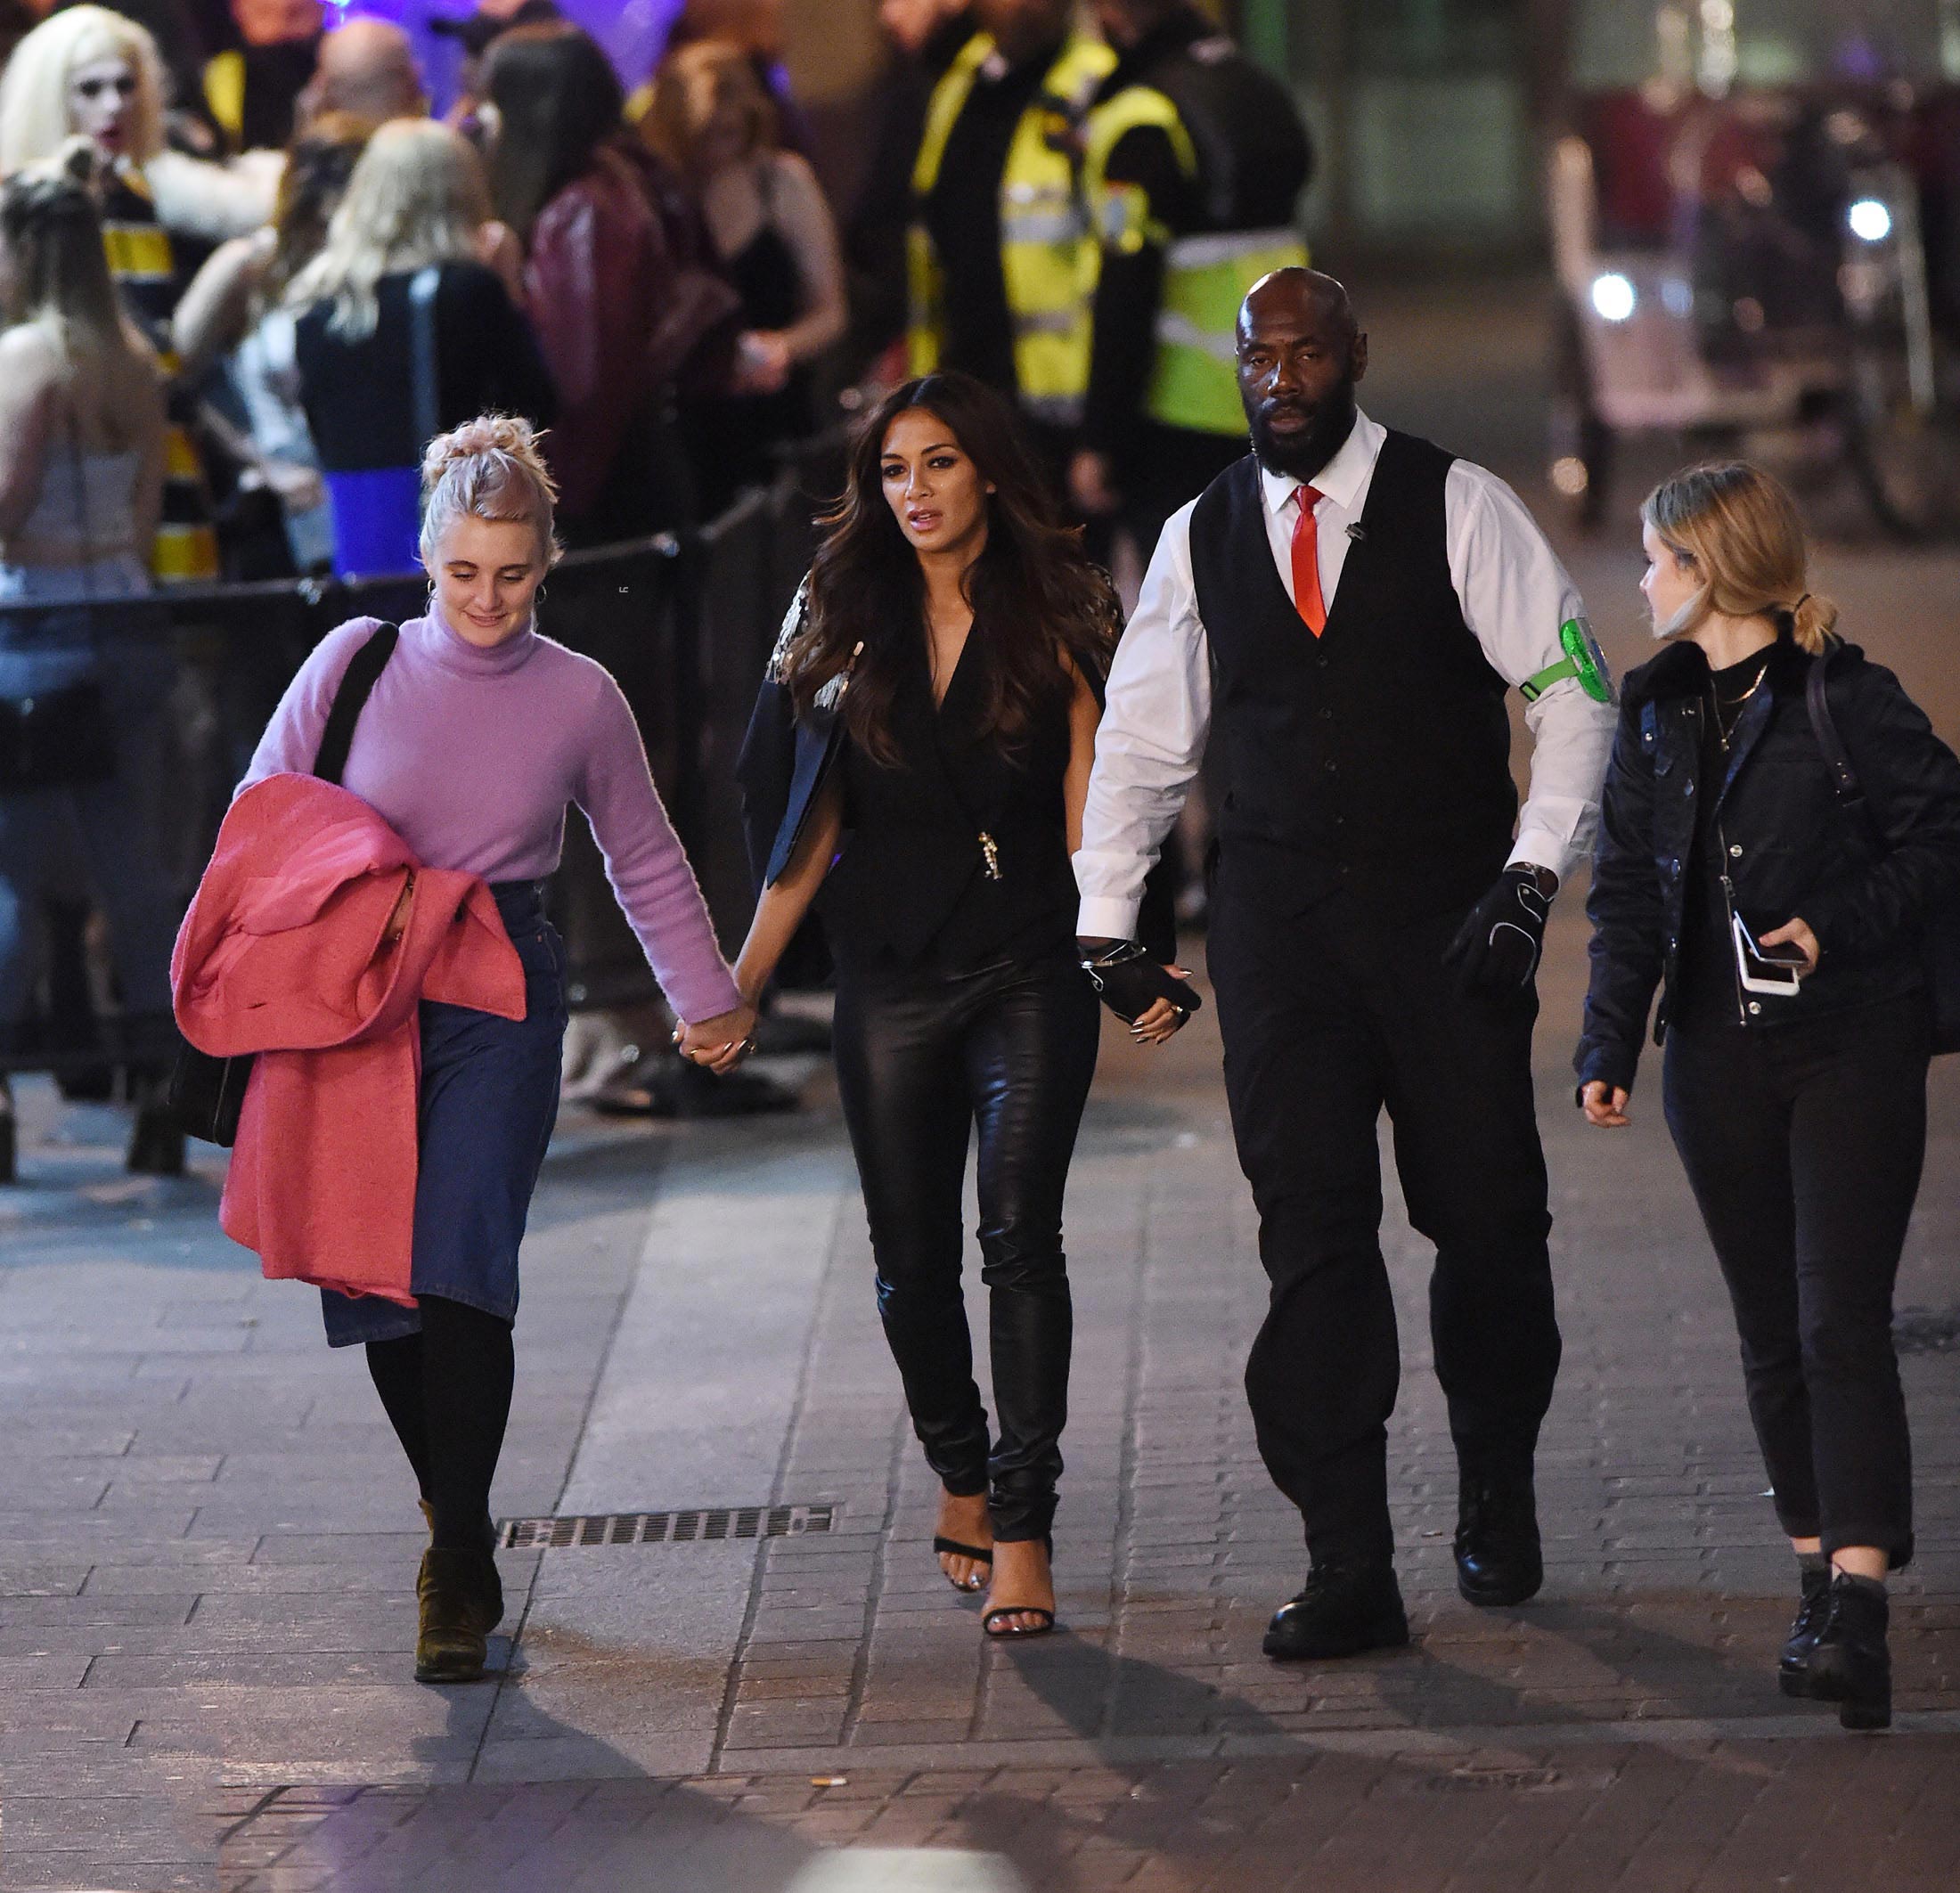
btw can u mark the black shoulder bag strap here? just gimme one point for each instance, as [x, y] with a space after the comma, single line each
[1824, 726]
[356, 684]
[206, 1093]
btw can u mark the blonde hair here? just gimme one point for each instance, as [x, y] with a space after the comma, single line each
[490, 468]
[688, 87]
[417, 197]
[33, 121]
[52, 232]
[1738, 530]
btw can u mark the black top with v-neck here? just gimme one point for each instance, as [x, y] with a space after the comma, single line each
[911, 890]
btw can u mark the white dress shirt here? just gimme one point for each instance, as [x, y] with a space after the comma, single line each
[1515, 595]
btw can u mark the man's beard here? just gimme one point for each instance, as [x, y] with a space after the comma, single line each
[1300, 456]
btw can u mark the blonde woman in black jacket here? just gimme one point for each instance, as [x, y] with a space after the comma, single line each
[1785, 925]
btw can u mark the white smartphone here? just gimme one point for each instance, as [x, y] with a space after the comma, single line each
[1777, 969]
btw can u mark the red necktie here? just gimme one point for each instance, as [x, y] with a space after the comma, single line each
[1306, 564]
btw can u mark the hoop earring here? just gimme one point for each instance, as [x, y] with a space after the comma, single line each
[538, 597]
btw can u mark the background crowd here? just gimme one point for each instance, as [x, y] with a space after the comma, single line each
[298, 275]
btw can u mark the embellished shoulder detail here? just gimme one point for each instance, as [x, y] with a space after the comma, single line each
[793, 620]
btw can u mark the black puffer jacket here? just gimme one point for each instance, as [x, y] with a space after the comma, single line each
[1794, 851]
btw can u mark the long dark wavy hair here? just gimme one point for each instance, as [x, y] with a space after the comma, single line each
[1037, 599]
[560, 101]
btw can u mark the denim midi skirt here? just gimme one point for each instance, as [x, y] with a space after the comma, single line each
[489, 1098]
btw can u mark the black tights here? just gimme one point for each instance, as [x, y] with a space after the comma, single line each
[447, 1392]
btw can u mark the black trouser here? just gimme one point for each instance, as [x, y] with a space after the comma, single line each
[921, 1059]
[1803, 1143]
[1327, 1018]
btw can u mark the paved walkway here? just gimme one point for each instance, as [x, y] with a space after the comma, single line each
[208, 1544]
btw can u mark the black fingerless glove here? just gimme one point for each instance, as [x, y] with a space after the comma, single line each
[1497, 948]
[1130, 982]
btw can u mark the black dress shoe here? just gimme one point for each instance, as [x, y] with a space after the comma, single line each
[1498, 1562]
[1793, 1667]
[1344, 1610]
[1850, 1664]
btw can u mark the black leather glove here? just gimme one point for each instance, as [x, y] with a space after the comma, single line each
[1130, 982]
[1497, 948]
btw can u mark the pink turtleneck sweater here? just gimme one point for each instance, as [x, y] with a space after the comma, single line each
[472, 755]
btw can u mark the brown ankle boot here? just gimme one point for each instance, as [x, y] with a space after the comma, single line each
[462, 1601]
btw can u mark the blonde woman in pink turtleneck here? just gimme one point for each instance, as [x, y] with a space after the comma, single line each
[476, 736]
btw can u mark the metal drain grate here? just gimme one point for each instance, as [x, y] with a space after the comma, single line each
[1926, 1330]
[1511, 1781]
[665, 1528]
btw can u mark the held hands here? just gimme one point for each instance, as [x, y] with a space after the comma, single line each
[721, 1043]
[1153, 999]
[1497, 948]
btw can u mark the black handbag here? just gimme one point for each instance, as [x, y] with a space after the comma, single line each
[208, 1093]
[1941, 942]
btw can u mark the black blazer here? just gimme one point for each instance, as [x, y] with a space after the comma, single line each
[1794, 848]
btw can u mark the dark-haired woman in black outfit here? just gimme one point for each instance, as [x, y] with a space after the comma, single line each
[960, 637]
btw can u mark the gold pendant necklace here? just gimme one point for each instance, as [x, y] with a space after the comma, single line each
[1724, 727]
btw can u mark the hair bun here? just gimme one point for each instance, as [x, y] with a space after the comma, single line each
[509, 434]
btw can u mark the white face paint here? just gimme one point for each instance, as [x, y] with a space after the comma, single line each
[102, 103]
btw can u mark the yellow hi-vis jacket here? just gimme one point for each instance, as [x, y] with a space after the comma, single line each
[1049, 252]
[1194, 381]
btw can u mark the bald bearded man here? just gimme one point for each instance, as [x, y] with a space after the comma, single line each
[1340, 616]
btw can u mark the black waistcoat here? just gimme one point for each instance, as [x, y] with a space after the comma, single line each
[911, 887]
[1377, 757]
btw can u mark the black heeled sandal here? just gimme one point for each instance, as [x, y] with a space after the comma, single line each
[1000, 1612]
[946, 1548]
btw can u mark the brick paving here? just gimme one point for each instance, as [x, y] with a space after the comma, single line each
[209, 1544]
[1735, 1816]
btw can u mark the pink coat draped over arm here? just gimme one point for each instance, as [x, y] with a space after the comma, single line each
[283, 953]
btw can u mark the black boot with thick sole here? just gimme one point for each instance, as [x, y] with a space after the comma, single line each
[1850, 1663]
[1793, 1666]
[1345, 1609]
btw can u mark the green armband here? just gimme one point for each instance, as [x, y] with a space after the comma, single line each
[1583, 659]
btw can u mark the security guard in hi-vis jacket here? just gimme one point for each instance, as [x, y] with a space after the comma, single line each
[1001, 259]
[1194, 161]
[1339, 616]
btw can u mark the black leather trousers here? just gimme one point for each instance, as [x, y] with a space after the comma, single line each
[923, 1059]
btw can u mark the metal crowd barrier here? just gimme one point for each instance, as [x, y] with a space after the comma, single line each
[684, 621]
